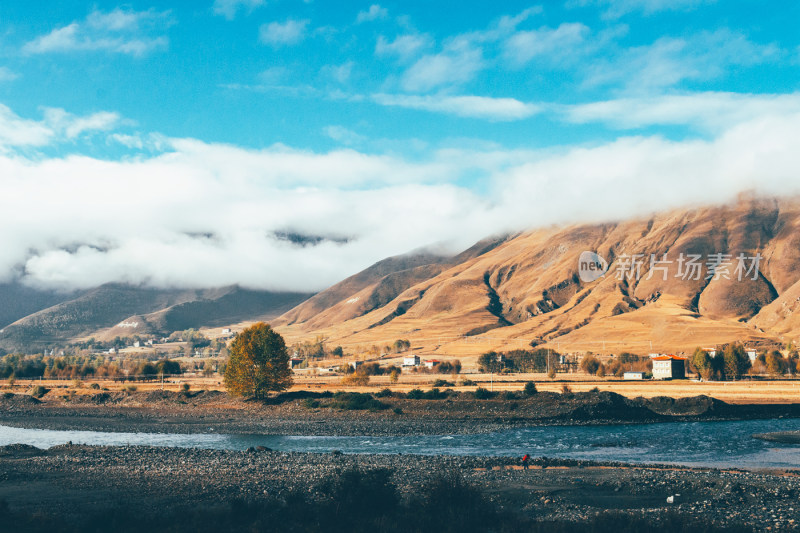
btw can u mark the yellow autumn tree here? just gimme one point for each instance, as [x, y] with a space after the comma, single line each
[259, 363]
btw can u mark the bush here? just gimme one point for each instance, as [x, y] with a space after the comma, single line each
[483, 394]
[442, 383]
[185, 387]
[310, 403]
[566, 389]
[39, 391]
[357, 380]
[433, 394]
[94, 386]
[384, 393]
[356, 401]
[508, 395]
[467, 383]
[129, 388]
[530, 389]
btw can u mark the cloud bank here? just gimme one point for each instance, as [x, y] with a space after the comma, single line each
[187, 213]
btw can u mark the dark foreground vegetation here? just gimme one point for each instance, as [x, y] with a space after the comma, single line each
[352, 501]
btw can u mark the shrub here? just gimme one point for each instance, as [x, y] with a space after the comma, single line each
[357, 380]
[185, 387]
[508, 395]
[94, 386]
[530, 389]
[433, 394]
[39, 391]
[356, 401]
[467, 383]
[566, 389]
[310, 403]
[129, 388]
[483, 394]
[397, 411]
[442, 383]
[384, 393]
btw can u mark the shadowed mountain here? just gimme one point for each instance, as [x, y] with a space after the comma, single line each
[126, 310]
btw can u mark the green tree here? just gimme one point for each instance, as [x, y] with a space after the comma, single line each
[736, 361]
[259, 363]
[488, 362]
[703, 363]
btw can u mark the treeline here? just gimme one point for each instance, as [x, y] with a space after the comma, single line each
[733, 362]
[83, 367]
[538, 360]
[617, 366]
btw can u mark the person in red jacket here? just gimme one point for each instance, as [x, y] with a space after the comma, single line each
[525, 461]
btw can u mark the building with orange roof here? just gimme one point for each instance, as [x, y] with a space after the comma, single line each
[669, 367]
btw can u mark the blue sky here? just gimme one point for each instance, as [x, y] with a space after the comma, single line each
[340, 118]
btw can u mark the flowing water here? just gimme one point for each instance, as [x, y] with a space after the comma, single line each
[718, 444]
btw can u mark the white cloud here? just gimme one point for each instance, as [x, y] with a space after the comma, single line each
[72, 126]
[283, 33]
[374, 12]
[483, 107]
[670, 61]
[229, 8]
[119, 31]
[16, 131]
[7, 75]
[344, 135]
[338, 73]
[458, 63]
[555, 44]
[709, 111]
[403, 46]
[68, 231]
[619, 8]
[56, 126]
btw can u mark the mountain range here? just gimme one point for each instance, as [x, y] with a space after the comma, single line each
[672, 283]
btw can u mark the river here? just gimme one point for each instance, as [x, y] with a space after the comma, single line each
[715, 444]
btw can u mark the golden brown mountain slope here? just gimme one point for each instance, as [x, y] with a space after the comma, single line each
[528, 289]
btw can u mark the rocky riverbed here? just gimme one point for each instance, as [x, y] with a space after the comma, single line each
[73, 481]
[317, 414]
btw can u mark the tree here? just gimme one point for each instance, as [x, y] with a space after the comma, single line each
[736, 361]
[590, 364]
[775, 362]
[488, 362]
[259, 363]
[703, 363]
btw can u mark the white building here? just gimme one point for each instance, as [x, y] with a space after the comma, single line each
[752, 354]
[669, 367]
[411, 360]
[431, 363]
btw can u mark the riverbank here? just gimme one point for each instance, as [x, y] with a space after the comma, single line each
[73, 484]
[310, 413]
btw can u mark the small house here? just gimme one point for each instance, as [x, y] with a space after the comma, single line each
[633, 375]
[752, 354]
[356, 364]
[295, 362]
[430, 363]
[411, 360]
[226, 331]
[669, 367]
